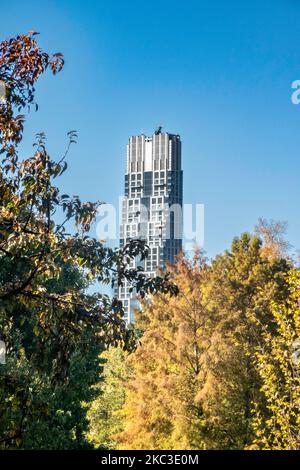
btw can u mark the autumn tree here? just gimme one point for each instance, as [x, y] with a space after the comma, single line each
[272, 233]
[46, 328]
[104, 413]
[241, 286]
[277, 424]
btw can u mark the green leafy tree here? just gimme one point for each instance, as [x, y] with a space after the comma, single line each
[46, 325]
[241, 286]
[272, 234]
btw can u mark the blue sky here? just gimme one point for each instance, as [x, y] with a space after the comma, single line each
[218, 73]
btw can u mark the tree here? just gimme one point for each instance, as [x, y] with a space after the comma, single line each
[194, 374]
[278, 366]
[36, 250]
[39, 411]
[272, 234]
[162, 409]
[105, 419]
[241, 286]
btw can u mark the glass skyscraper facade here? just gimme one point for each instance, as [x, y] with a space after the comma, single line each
[152, 205]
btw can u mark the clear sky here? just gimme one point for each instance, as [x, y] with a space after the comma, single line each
[219, 73]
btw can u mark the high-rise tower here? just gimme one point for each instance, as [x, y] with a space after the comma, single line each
[152, 206]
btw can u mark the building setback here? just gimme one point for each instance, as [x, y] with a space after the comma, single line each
[152, 205]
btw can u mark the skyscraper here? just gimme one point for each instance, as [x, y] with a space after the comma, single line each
[152, 205]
